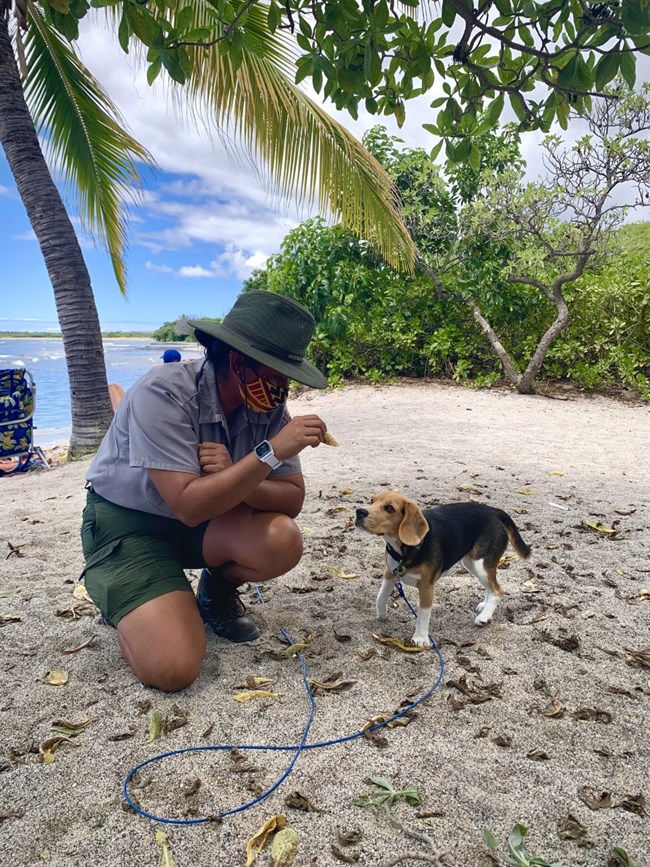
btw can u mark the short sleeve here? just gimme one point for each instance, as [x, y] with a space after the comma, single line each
[162, 434]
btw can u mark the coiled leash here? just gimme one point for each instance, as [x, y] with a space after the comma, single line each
[296, 749]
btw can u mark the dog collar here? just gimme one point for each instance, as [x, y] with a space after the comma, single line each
[397, 562]
[394, 560]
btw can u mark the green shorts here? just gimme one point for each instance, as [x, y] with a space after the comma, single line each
[133, 557]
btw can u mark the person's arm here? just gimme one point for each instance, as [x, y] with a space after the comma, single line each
[194, 499]
[285, 494]
[276, 494]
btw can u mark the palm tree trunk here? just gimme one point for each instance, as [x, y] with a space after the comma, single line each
[75, 303]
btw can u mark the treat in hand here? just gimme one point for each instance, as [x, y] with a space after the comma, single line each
[329, 440]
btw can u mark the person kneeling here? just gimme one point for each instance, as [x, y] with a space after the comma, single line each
[200, 469]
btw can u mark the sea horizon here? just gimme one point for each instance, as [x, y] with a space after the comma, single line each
[127, 359]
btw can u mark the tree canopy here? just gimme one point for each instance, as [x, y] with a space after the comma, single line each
[545, 58]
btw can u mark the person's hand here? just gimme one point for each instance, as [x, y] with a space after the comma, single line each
[213, 457]
[300, 432]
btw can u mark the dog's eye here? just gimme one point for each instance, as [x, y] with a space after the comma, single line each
[389, 509]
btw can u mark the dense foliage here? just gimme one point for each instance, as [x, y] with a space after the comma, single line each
[545, 58]
[377, 324]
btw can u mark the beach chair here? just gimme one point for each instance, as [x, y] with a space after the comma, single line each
[17, 400]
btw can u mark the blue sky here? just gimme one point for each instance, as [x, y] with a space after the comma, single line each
[205, 222]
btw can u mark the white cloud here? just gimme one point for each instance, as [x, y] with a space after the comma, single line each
[158, 269]
[28, 235]
[194, 271]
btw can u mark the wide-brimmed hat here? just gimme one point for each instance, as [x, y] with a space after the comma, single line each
[268, 328]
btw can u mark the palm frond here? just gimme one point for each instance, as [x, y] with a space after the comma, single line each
[84, 136]
[308, 154]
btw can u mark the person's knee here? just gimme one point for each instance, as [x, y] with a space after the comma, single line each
[174, 676]
[286, 542]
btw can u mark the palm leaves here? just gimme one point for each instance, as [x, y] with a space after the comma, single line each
[307, 153]
[83, 135]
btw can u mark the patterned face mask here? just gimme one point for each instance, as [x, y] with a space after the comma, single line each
[262, 395]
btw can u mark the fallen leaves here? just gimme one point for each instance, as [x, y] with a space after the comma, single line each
[258, 841]
[87, 643]
[341, 574]
[47, 748]
[475, 693]
[155, 722]
[162, 841]
[640, 658]
[57, 677]
[252, 694]
[605, 529]
[395, 642]
[332, 683]
[284, 847]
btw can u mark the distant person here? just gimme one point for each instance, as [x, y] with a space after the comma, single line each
[170, 355]
[200, 469]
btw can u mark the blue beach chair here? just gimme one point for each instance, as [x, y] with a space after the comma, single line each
[17, 400]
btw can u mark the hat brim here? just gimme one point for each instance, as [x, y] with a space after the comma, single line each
[300, 371]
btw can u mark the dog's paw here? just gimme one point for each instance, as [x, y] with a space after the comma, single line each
[480, 607]
[421, 640]
[382, 614]
[482, 620]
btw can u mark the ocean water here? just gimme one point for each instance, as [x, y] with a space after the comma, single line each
[126, 361]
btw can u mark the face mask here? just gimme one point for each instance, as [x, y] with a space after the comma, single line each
[262, 395]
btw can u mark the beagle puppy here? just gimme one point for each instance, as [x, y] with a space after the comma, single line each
[423, 545]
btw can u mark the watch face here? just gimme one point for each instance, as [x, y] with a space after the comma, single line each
[263, 449]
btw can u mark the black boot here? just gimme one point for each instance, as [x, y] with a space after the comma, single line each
[222, 609]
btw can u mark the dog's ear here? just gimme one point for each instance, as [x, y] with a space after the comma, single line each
[414, 527]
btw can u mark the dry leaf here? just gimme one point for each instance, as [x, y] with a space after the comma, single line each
[49, 745]
[341, 574]
[284, 847]
[9, 618]
[529, 492]
[155, 722]
[81, 593]
[595, 800]
[162, 840]
[250, 694]
[298, 646]
[58, 677]
[394, 642]
[556, 473]
[71, 729]
[329, 440]
[78, 647]
[252, 682]
[593, 524]
[554, 710]
[4, 594]
[346, 491]
[258, 840]
[331, 685]
[638, 657]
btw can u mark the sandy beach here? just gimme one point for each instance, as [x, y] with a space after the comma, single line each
[540, 718]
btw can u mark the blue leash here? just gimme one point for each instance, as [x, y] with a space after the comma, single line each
[295, 748]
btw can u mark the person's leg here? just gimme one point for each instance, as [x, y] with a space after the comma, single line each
[136, 579]
[240, 546]
[251, 545]
[163, 641]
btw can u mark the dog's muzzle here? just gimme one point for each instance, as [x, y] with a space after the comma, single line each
[362, 514]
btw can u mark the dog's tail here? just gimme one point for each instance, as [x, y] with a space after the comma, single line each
[516, 541]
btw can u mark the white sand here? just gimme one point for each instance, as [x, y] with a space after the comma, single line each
[528, 455]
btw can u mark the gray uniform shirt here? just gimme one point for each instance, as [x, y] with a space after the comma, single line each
[160, 423]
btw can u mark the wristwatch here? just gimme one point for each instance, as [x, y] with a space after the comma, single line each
[264, 452]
